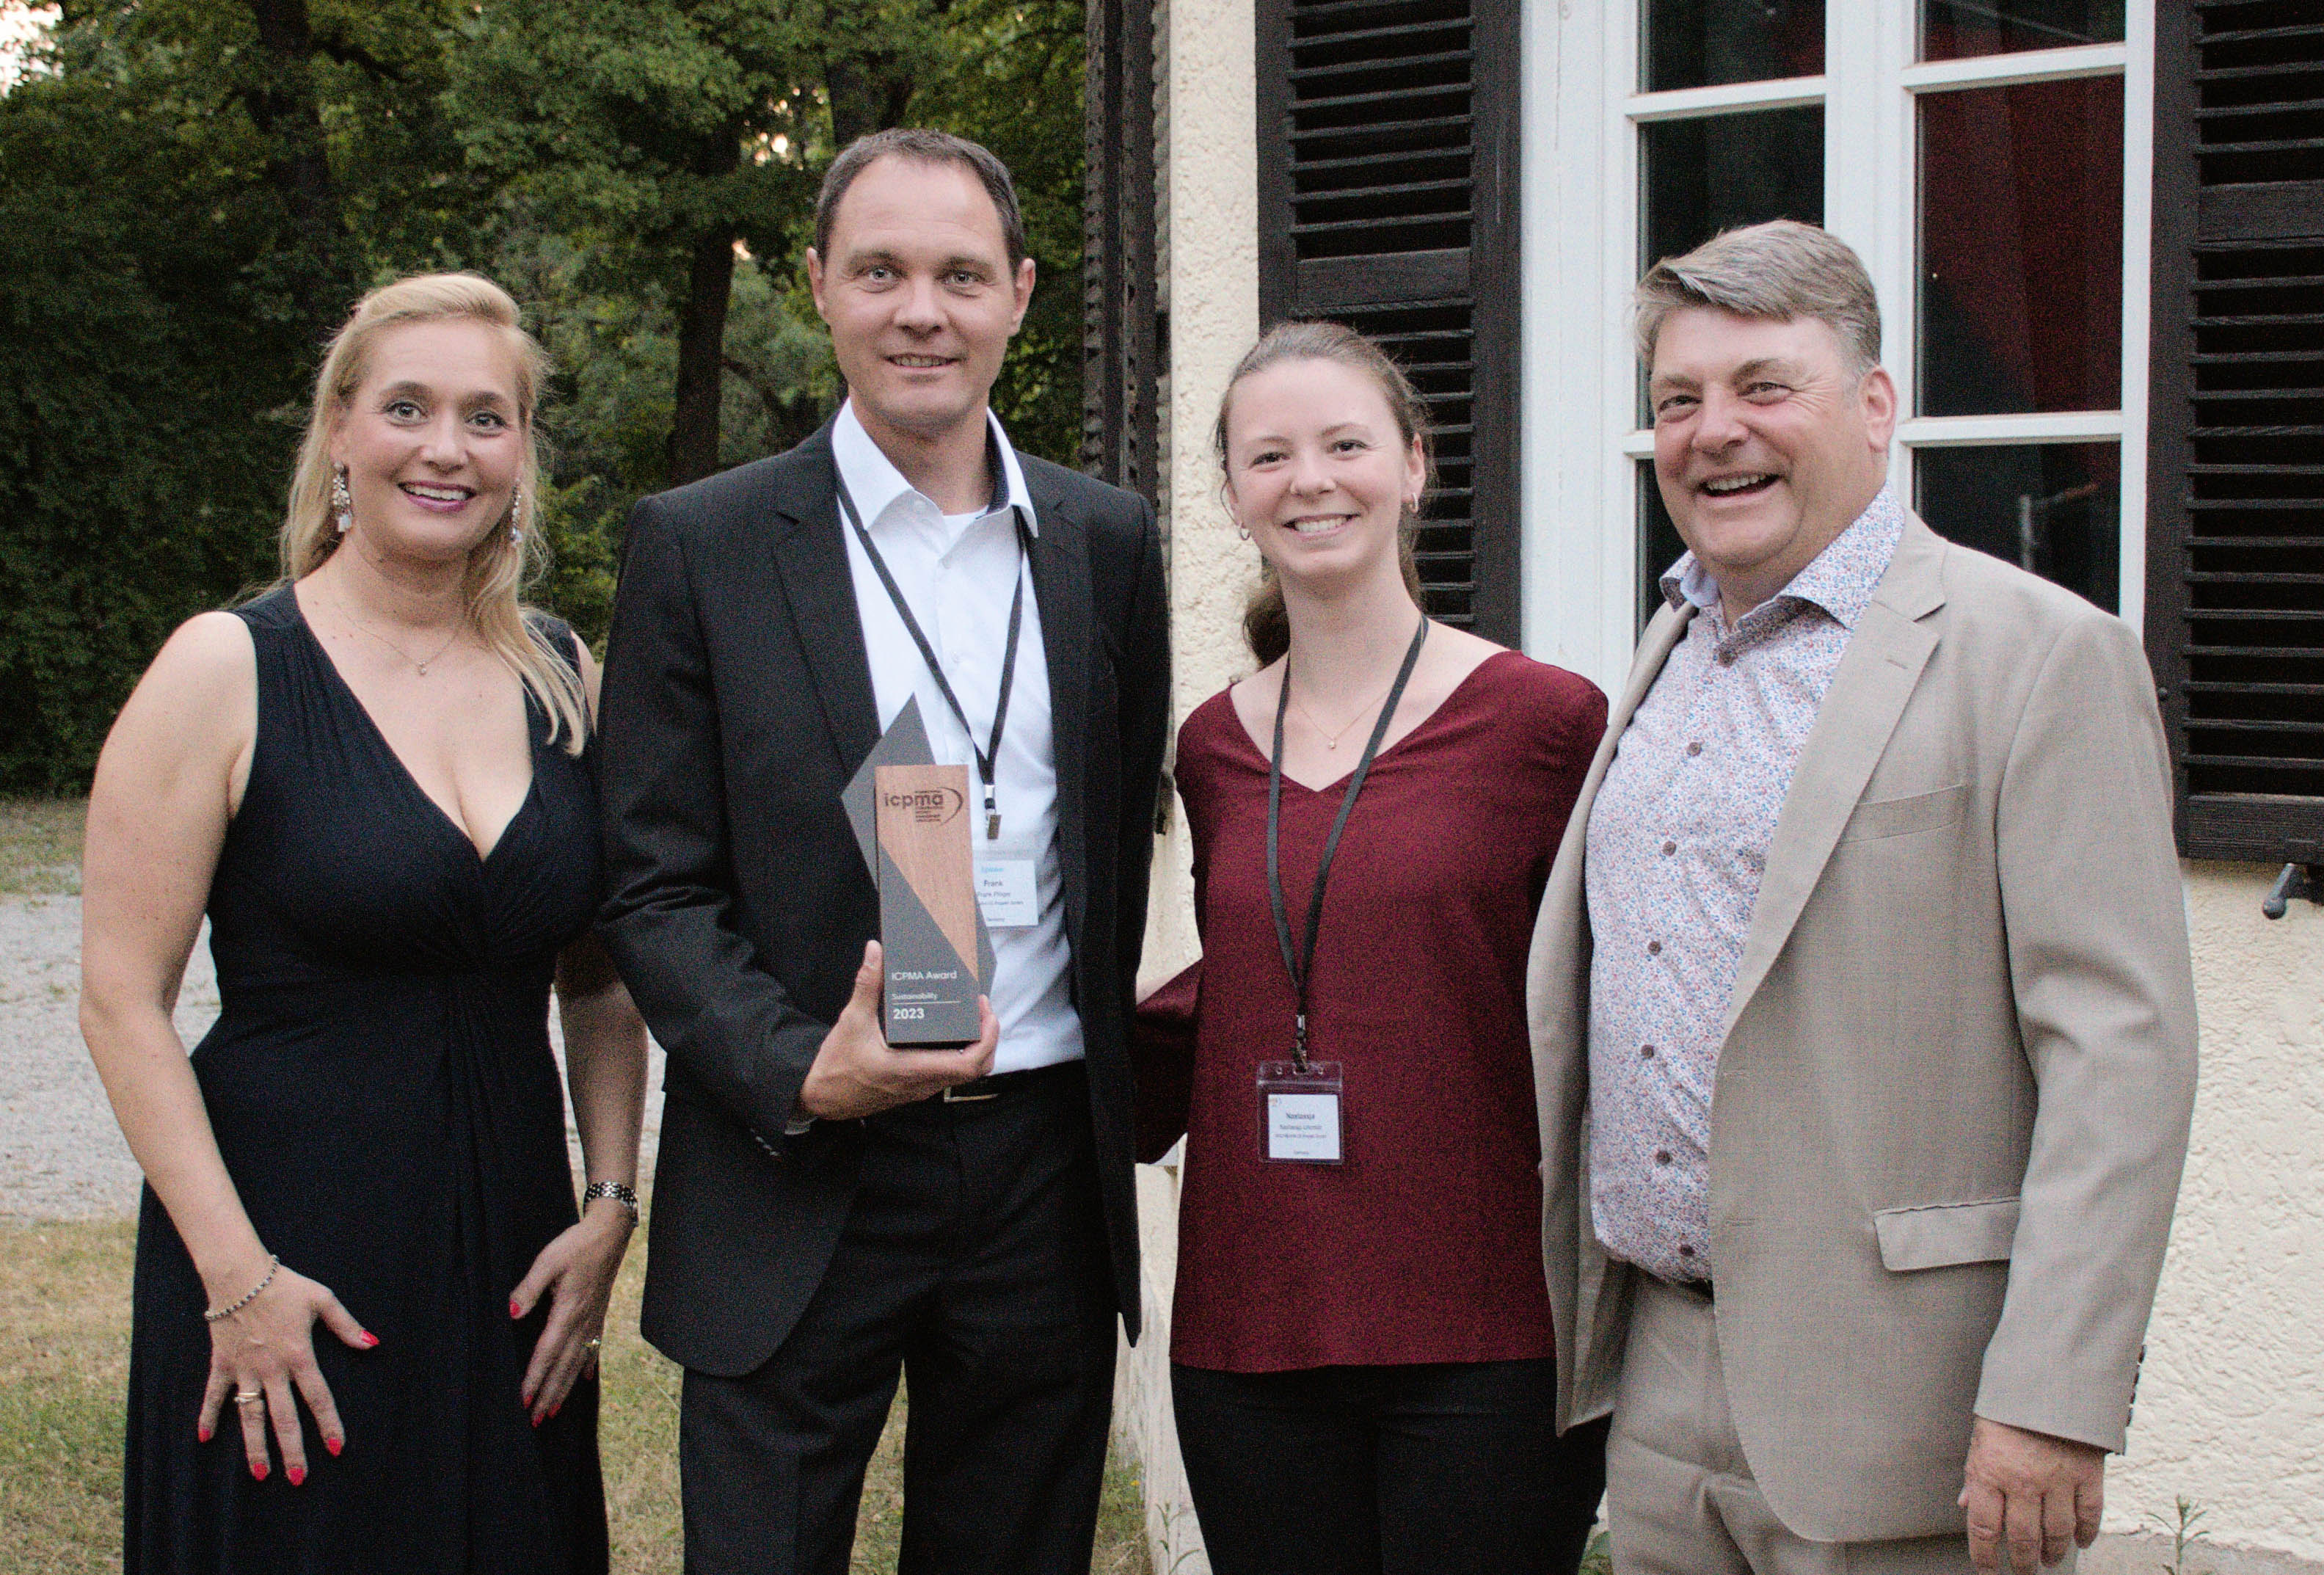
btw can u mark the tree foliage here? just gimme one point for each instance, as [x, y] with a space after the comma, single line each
[193, 191]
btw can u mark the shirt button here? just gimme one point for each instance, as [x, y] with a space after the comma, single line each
[1653, 948]
[1662, 1157]
[1726, 659]
[1668, 849]
[1695, 748]
[1684, 1250]
[1646, 1052]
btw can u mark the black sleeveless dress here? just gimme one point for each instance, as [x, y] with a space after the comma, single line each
[384, 1094]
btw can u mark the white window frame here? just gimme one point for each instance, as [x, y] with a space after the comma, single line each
[1579, 150]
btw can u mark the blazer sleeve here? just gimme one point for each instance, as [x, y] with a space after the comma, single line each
[2106, 1005]
[1145, 720]
[667, 918]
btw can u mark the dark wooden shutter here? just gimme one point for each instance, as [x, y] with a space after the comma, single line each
[1121, 330]
[2235, 608]
[1388, 134]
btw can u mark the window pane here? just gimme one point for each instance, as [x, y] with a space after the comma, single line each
[1702, 175]
[1696, 44]
[2021, 248]
[1707, 175]
[2053, 508]
[1954, 30]
[1658, 544]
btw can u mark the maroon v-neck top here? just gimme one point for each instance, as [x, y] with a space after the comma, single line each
[1424, 1246]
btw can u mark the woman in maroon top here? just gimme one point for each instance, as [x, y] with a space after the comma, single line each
[1362, 1356]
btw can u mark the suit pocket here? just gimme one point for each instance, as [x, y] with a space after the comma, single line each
[1938, 1234]
[1899, 817]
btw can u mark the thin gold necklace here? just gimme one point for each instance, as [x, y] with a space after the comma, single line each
[1332, 739]
[438, 654]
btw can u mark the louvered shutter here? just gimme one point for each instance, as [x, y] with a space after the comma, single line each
[2235, 527]
[1388, 201]
[1121, 353]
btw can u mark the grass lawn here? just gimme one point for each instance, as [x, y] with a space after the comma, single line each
[40, 846]
[64, 1363]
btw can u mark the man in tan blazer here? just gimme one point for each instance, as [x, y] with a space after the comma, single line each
[1863, 1028]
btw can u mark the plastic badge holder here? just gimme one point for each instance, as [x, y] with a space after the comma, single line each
[1300, 1112]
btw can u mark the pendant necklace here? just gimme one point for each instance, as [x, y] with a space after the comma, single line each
[433, 656]
[1332, 739]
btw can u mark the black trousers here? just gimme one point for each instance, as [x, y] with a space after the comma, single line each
[974, 1262]
[1442, 1468]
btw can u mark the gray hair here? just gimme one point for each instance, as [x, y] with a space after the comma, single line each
[922, 147]
[1780, 270]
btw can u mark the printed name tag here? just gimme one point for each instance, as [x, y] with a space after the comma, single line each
[1007, 893]
[1300, 1112]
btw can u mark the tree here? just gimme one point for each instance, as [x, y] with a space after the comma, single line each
[174, 240]
[194, 191]
[660, 134]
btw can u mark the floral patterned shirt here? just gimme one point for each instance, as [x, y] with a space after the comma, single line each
[1678, 844]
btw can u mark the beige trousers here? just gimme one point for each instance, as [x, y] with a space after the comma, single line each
[1678, 1491]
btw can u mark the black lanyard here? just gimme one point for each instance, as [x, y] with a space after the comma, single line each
[1299, 964]
[987, 755]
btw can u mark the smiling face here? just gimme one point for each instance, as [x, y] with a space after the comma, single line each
[1768, 445]
[919, 295]
[432, 440]
[1318, 471]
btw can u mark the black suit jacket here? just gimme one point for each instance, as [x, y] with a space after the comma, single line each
[737, 703]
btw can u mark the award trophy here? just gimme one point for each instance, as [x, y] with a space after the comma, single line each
[912, 820]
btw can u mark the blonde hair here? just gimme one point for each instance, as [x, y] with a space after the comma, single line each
[1780, 270]
[1266, 623]
[499, 566]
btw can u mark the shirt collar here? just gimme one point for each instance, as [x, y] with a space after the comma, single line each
[1842, 580]
[875, 484]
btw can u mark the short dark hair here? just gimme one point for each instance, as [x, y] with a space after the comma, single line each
[926, 147]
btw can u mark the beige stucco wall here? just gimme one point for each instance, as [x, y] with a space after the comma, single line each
[1209, 259]
[1210, 193]
[2231, 1406]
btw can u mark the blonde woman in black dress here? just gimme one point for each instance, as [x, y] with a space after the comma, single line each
[366, 1312]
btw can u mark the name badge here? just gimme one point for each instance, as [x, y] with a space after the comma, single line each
[1300, 1112]
[1007, 893]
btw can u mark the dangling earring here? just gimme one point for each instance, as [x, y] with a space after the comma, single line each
[516, 505]
[1243, 531]
[342, 502]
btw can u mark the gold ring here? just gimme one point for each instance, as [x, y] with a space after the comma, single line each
[254, 1396]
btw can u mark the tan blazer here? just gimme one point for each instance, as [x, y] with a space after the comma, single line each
[1952, 1099]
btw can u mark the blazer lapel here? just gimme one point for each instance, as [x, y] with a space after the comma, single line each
[1061, 590]
[1876, 674]
[810, 562]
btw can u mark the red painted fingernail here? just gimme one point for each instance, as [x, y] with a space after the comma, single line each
[555, 1408]
[297, 1474]
[258, 1470]
[515, 1310]
[536, 1422]
[202, 1434]
[334, 1445]
[370, 1339]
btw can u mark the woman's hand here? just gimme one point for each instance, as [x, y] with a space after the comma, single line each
[576, 1272]
[265, 1351]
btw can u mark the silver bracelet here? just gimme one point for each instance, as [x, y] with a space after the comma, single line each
[248, 1296]
[619, 1192]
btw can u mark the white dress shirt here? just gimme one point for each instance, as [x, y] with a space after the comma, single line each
[958, 574]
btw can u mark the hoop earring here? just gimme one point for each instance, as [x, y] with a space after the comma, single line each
[1243, 531]
[342, 502]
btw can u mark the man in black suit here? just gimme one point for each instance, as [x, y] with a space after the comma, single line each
[829, 1208]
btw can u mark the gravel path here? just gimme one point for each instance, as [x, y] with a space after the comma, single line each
[61, 1154]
